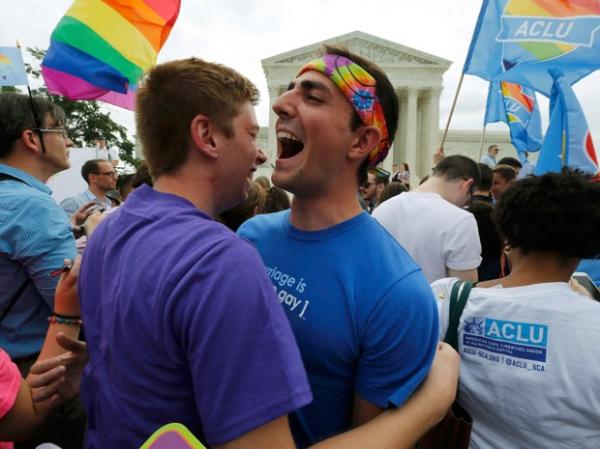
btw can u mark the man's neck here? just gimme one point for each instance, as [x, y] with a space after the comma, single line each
[196, 190]
[316, 213]
[432, 185]
[28, 166]
[98, 193]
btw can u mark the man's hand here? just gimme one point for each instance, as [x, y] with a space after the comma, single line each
[82, 213]
[442, 380]
[66, 298]
[57, 379]
[438, 155]
[93, 220]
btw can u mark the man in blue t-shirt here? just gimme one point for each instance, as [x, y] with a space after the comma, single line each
[362, 312]
[181, 320]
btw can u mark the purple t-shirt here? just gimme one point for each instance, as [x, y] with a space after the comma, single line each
[183, 326]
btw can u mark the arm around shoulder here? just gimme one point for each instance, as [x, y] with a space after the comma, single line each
[393, 429]
[401, 428]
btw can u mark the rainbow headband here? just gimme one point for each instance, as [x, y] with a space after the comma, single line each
[359, 88]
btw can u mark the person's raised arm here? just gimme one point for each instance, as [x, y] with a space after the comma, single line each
[55, 377]
[61, 346]
[393, 429]
[401, 428]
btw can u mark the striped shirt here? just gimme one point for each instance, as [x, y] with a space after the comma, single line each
[35, 238]
[71, 204]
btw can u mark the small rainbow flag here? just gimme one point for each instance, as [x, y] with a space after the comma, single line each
[12, 70]
[100, 48]
[172, 436]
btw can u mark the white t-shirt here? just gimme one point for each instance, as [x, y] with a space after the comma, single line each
[437, 234]
[530, 365]
[110, 154]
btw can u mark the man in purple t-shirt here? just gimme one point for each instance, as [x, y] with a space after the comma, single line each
[182, 322]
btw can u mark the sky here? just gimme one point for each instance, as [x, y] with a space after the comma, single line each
[240, 33]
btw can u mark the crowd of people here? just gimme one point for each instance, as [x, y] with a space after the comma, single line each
[304, 313]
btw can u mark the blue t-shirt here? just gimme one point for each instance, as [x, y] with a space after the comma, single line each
[182, 326]
[362, 312]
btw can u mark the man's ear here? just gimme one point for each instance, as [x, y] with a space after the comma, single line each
[467, 183]
[31, 141]
[366, 140]
[203, 132]
[380, 188]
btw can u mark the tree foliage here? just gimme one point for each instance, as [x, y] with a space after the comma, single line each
[85, 119]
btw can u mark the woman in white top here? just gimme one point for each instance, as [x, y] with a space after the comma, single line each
[529, 344]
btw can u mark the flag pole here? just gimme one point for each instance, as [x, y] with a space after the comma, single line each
[36, 123]
[482, 140]
[563, 150]
[452, 110]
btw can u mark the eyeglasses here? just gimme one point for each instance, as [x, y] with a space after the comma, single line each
[367, 184]
[62, 131]
[112, 174]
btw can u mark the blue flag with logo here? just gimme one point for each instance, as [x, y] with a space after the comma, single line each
[517, 107]
[521, 40]
[12, 69]
[568, 141]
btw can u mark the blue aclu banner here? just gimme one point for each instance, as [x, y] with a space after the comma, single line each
[516, 106]
[521, 40]
[568, 141]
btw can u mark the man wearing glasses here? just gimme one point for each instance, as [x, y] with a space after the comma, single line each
[377, 179]
[101, 178]
[35, 234]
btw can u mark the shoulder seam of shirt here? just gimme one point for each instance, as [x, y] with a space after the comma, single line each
[384, 294]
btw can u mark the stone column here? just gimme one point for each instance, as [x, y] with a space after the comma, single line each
[400, 139]
[434, 127]
[411, 130]
[426, 137]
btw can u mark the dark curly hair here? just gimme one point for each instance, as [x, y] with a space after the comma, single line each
[552, 213]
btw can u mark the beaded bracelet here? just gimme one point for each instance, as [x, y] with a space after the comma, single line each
[68, 317]
[60, 320]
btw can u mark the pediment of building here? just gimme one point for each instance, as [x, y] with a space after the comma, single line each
[382, 52]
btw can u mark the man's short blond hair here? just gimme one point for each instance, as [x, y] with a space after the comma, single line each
[172, 94]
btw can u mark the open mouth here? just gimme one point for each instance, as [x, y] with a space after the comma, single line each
[290, 145]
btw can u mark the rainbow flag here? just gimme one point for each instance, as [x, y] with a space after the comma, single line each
[100, 48]
[516, 106]
[520, 41]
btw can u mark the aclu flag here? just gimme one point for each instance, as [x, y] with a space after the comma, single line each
[12, 69]
[568, 141]
[517, 107]
[521, 40]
